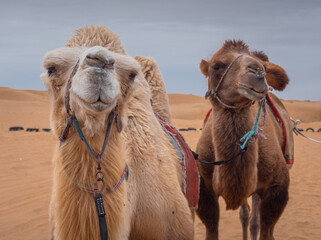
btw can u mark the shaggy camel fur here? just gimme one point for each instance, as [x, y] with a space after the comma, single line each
[261, 171]
[154, 78]
[150, 205]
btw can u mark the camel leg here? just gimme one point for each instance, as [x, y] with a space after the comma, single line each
[244, 217]
[208, 210]
[254, 218]
[272, 206]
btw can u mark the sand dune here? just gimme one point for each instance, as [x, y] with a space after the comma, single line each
[26, 167]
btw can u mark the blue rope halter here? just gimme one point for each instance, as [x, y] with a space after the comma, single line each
[255, 128]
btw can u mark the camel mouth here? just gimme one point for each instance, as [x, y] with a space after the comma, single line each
[252, 93]
[99, 100]
[99, 104]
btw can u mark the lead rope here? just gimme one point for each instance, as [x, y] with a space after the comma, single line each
[298, 132]
[99, 176]
[255, 131]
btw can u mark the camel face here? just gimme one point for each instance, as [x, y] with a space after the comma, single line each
[102, 79]
[242, 82]
[248, 78]
[95, 85]
[245, 74]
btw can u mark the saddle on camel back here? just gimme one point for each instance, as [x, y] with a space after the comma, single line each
[284, 120]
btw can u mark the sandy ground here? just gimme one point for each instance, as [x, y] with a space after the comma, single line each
[26, 172]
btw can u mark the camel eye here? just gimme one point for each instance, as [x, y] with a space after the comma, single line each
[51, 70]
[216, 67]
[132, 76]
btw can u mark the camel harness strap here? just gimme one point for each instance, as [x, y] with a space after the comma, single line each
[99, 176]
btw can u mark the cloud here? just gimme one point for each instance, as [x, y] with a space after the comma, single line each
[177, 33]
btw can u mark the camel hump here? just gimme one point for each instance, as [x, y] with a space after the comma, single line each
[283, 118]
[155, 81]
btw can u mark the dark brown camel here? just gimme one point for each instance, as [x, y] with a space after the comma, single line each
[261, 171]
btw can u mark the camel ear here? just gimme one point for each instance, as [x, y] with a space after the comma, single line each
[57, 66]
[204, 67]
[276, 76]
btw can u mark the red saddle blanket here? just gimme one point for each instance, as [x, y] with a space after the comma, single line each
[283, 118]
[191, 186]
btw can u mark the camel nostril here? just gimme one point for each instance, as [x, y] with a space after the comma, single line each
[258, 70]
[110, 64]
[260, 73]
[98, 60]
[91, 57]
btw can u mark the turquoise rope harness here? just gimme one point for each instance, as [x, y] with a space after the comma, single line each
[254, 129]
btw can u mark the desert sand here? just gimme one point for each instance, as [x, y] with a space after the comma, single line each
[26, 169]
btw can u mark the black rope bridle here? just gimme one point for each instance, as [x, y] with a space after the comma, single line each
[222, 161]
[99, 176]
[214, 94]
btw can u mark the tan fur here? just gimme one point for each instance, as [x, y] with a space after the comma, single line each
[262, 168]
[151, 204]
[155, 81]
[96, 36]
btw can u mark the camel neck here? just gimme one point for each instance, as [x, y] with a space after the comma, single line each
[80, 165]
[238, 177]
[230, 125]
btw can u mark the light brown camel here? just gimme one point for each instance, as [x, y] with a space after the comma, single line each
[154, 78]
[150, 205]
[261, 171]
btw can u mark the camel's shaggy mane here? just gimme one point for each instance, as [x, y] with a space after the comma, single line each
[261, 55]
[237, 45]
[96, 36]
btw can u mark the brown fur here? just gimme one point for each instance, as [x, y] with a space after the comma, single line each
[151, 204]
[237, 45]
[261, 170]
[261, 55]
[276, 77]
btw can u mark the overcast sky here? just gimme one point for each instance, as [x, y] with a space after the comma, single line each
[178, 34]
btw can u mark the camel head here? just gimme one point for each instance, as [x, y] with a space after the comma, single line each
[238, 76]
[102, 80]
